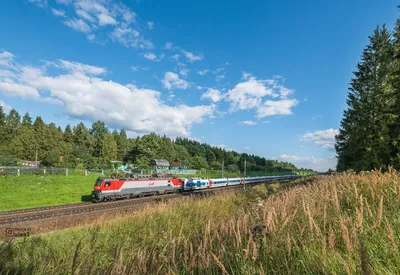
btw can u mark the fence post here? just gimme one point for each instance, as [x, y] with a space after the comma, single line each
[85, 172]
[44, 171]
[102, 172]
[18, 172]
[66, 172]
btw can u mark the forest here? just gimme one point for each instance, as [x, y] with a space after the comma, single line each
[369, 136]
[94, 148]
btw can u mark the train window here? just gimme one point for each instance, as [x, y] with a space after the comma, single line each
[107, 184]
[98, 182]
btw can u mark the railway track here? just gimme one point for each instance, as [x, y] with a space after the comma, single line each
[27, 215]
[67, 210]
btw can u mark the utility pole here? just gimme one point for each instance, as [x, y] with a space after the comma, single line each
[244, 183]
[222, 168]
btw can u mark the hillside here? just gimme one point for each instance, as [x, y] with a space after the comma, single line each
[94, 148]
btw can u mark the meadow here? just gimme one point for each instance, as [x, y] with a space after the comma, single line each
[337, 224]
[34, 191]
[27, 191]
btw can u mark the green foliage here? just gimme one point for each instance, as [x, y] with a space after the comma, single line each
[94, 148]
[370, 129]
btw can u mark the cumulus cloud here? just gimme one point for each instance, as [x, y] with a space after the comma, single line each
[85, 95]
[279, 107]
[172, 80]
[191, 57]
[249, 122]
[213, 94]
[318, 164]
[322, 138]
[252, 93]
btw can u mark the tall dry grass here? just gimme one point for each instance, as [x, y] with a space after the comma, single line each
[340, 224]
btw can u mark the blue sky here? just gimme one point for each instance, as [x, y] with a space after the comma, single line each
[262, 77]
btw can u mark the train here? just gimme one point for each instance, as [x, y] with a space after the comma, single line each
[110, 189]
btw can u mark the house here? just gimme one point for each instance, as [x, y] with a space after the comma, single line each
[159, 165]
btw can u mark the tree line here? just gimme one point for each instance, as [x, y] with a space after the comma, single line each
[369, 135]
[94, 148]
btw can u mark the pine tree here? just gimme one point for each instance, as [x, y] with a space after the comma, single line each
[394, 124]
[27, 120]
[364, 137]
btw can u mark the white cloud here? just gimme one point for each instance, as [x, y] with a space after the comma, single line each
[85, 95]
[213, 94]
[249, 122]
[56, 12]
[247, 95]
[78, 67]
[246, 76]
[105, 19]
[150, 25]
[78, 25]
[130, 37]
[273, 108]
[96, 16]
[246, 147]
[150, 56]
[168, 45]
[191, 57]
[172, 80]
[220, 77]
[39, 3]
[251, 94]
[91, 37]
[322, 138]
[218, 70]
[6, 108]
[184, 72]
[203, 72]
[175, 57]
[84, 15]
[318, 164]
[135, 68]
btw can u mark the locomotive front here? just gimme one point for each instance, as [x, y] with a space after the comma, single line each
[96, 193]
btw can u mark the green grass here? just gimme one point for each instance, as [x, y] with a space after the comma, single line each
[29, 191]
[35, 191]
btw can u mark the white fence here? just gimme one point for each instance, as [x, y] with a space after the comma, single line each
[20, 171]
